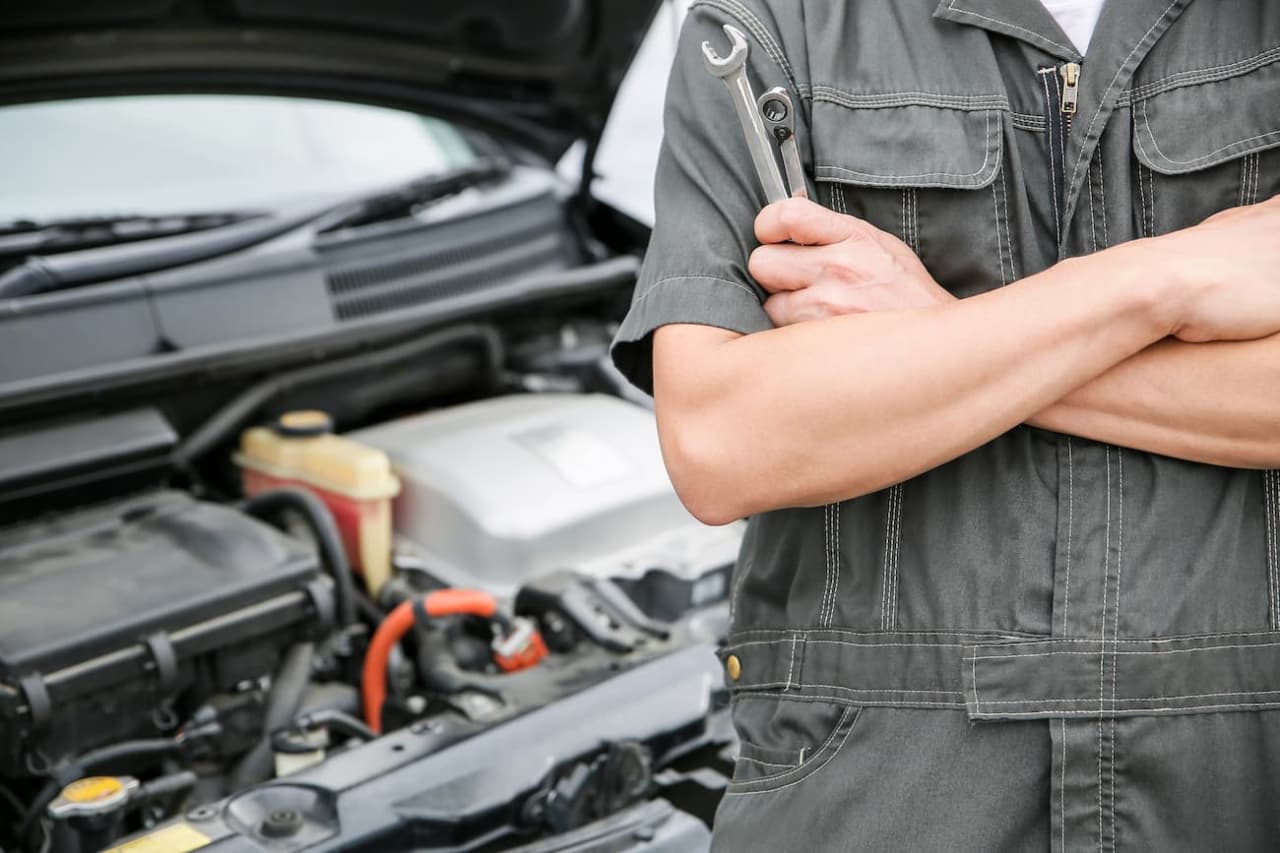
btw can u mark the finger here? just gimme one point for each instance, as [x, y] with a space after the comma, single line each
[782, 308]
[798, 220]
[779, 267]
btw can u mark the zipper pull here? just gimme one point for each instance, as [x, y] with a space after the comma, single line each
[1070, 87]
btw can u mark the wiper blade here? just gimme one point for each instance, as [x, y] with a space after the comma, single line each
[45, 273]
[411, 195]
[26, 237]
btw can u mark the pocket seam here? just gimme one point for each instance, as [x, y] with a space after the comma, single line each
[977, 179]
[804, 770]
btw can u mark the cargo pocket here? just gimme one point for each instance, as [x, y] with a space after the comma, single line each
[931, 175]
[784, 739]
[1204, 141]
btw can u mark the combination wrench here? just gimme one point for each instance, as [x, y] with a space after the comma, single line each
[732, 69]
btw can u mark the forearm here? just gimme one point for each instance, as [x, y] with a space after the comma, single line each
[1215, 403]
[836, 408]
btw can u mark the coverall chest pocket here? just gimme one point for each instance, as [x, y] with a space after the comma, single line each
[931, 175]
[1205, 140]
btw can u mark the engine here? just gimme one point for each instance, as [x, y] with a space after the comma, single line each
[454, 566]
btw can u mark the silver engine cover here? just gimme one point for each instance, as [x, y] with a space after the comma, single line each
[499, 491]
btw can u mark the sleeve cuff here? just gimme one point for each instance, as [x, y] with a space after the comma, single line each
[700, 299]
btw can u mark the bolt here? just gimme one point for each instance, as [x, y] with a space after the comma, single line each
[281, 823]
[202, 813]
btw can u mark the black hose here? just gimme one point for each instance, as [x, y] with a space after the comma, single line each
[236, 413]
[320, 521]
[287, 689]
[83, 764]
[327, 718]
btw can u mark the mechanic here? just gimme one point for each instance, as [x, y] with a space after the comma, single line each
[1001, 404]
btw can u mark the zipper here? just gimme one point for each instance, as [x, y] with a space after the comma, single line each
[1061, 85]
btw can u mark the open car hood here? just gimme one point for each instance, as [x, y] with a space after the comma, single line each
[545, 70]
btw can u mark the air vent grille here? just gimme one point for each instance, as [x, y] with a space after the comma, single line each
[436, 271]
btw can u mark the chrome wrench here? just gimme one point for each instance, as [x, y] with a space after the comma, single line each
[732, 69]
[779, 115]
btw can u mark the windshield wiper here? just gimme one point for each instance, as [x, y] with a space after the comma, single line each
[45, 273]
[23, 237]
[401, 200]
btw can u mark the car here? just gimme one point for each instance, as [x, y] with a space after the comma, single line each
[325, 521]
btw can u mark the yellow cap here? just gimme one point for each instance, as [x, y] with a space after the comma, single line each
[92, 789]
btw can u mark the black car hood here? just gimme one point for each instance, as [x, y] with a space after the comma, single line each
[546, 70]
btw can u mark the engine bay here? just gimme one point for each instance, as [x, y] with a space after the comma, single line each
[433, 595]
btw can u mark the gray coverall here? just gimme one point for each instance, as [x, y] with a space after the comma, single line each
[1048, 643]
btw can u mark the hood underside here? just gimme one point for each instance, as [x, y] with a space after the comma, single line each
[546, 70]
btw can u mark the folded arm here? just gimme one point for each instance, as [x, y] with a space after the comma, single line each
[839, 406]
[1217, 403]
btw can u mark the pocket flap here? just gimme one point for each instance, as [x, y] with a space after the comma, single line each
[912, 145]
[1186, 124]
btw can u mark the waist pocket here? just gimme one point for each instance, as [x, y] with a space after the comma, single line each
[927, 169]
[782, 740]
[1205, 141]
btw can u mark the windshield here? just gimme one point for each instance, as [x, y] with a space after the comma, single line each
[157, 154]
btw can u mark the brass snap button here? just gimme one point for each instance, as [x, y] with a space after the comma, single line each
[733, 667]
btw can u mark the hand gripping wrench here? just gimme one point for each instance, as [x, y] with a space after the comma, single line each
[732, 69]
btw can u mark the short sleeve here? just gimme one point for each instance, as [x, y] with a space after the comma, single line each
[706, 197]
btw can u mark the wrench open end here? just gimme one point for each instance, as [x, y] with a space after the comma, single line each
[723, 66]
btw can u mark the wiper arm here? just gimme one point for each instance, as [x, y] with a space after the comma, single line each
[386, 204]
[47, 273]
[26, 237]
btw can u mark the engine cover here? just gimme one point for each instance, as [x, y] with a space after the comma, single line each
[112, 613]
[502, 490]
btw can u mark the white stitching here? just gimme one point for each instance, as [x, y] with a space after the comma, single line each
[1036, 36]
[829, 170]
[1102, 649]
[831, 737]
[757, 28]
[830, 94]
[763, 763]
[826, 558]
[1102, 185]
[1093, 225]
[977, 703]
[1146, 121]
[1103, 100]
[1203, 75]
[1135, 712]
[984, 639]
[1142, 204]
[1008, 227]
[995, 202]
[816, 767]
[835, 578]
[791, 665]
[1151, 198]
[673, 278]
[1102, 658]
[897, 540]
[1071, 492]
[901, 691]
[812, 641]
[1128, 700]
[1115, 634]
[1062, 790]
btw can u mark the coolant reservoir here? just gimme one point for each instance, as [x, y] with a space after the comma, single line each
[353, 479]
